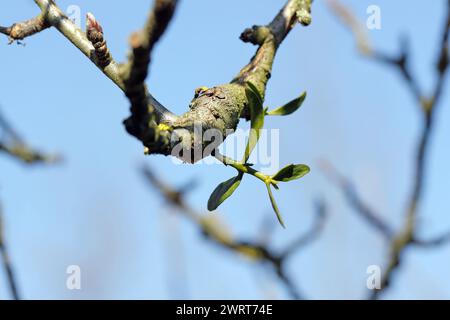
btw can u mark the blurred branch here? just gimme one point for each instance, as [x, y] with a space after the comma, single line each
[428, 106]
[215, 232]
[12, 144]
[24, 153]
[438, 241]
[365, 47]
[6, 262]
[356, 202]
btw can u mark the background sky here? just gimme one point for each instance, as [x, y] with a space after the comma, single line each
[95, 210]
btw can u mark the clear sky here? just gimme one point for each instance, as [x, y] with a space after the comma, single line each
[96, 211]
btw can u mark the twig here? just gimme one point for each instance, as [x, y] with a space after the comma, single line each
[254, 250]
[364, 46]
[13, 145]
[6, 262]
[27, 155]
[21, 30]
[434, 242]
[135, 72]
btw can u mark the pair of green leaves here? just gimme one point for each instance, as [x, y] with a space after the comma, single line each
[291, 172]
[288, 173]
[224, 190]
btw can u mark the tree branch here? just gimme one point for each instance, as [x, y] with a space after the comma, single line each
[218, 108]
[433, 242]
[13, 145]
[143, 116]
[6, 262]
[21, 30]
[400, 62]
[429, 107]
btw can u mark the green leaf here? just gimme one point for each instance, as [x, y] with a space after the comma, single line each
[274, 206]
[223, 191]
[291, 172]
[256, 118]
[255, 91]
[289, 107]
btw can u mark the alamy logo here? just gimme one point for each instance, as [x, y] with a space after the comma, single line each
[374, 279]
[74, 14]
[373, 22]
[73, 281]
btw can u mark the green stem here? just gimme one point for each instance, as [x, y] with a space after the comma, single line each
[244, 168]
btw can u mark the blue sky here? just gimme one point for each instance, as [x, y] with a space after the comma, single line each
[96, 211]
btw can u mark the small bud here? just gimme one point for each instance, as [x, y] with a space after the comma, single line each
[92, 24]
[94, 33]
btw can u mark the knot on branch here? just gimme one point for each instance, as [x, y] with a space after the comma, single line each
[304, 15]
[255, 35]
[19, 31]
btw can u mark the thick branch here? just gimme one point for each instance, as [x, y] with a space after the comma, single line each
[220, 107]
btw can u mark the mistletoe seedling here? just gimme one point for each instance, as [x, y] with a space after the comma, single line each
[290, 172]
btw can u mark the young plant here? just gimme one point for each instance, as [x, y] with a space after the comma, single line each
[289, 173]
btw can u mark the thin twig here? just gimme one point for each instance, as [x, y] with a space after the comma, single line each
[12, 144]
[21, 30]
[434, 242]
[6, 261]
